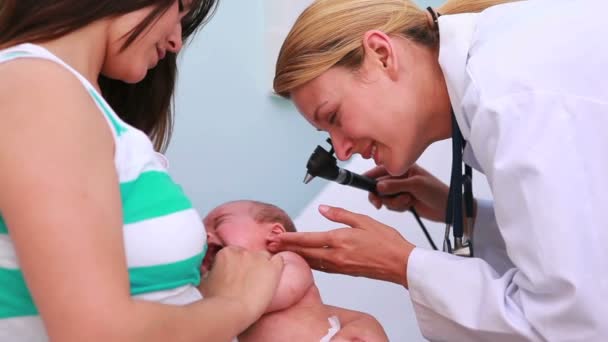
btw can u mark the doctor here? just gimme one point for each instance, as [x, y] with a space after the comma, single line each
[528, 85]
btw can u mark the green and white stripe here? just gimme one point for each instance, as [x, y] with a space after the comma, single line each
[164, 237]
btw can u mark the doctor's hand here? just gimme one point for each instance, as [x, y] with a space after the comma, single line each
[366, 248]
[420, 189]
[248, 279]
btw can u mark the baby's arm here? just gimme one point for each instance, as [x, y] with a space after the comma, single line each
[357, 326]
[295, 281]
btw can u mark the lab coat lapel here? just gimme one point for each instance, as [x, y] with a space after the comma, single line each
[456, 32]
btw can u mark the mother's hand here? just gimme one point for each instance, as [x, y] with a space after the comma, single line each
[369, 249]
[244, 277]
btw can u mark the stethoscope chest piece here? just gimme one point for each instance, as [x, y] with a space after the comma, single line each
[462, 245]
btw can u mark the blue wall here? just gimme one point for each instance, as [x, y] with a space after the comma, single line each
[232, 139]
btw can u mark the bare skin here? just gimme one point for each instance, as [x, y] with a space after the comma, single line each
[296, 312]
[307, 312]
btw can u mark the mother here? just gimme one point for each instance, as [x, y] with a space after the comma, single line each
[97, 242]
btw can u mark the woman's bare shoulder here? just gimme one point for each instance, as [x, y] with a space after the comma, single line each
[35, 82]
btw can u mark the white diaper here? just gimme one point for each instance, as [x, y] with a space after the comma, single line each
[334, 327]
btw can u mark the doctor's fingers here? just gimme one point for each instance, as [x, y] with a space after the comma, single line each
[294, 242]
[347, 217]
[328, 259]
[314, 245]
[393, 186]
[370, 253]
[320, 259]
[379, 172]
[399, 203]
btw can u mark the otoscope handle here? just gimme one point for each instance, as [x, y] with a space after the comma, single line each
[369, 184]
[355, 180]
[323, 164]
[361, 182]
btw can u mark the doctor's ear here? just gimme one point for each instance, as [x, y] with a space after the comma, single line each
[380, 51]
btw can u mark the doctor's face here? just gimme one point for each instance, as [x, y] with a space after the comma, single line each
[362, 113]
[386, 109]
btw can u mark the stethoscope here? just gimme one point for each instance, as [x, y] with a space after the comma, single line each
[461, 191]
[459, 183]
[323, 164]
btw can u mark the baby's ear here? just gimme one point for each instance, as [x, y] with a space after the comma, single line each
[277, 229]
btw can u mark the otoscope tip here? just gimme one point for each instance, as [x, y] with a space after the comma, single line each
[308, 178]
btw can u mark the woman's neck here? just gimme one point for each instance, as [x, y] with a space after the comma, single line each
[84, 50]
[437, 125]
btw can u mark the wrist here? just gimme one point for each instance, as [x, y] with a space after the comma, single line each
[401, 270]
[241, 313]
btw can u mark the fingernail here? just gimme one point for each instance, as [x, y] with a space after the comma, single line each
[323, 209]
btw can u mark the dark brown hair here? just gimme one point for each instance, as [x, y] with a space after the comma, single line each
[145, 105]
[269, 213]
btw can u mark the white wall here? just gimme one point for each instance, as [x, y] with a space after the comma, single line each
[232, 139]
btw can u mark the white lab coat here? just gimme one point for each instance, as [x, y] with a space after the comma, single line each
[529, 86]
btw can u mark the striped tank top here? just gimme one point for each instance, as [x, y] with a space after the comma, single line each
[164, 237]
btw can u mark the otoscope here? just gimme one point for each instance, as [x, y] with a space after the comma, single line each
[322, 163]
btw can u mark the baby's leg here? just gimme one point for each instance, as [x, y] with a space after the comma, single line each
[334, 323]
[357, 326]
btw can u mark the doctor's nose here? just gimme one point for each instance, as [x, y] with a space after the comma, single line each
[342, 145]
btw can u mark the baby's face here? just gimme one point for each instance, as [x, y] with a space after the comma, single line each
[232, 225]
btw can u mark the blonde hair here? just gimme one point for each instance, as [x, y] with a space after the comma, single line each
[329, 33]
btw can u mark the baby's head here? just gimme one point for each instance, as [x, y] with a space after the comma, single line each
[247, 224]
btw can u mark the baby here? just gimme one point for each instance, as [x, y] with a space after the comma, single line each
[296, 312]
